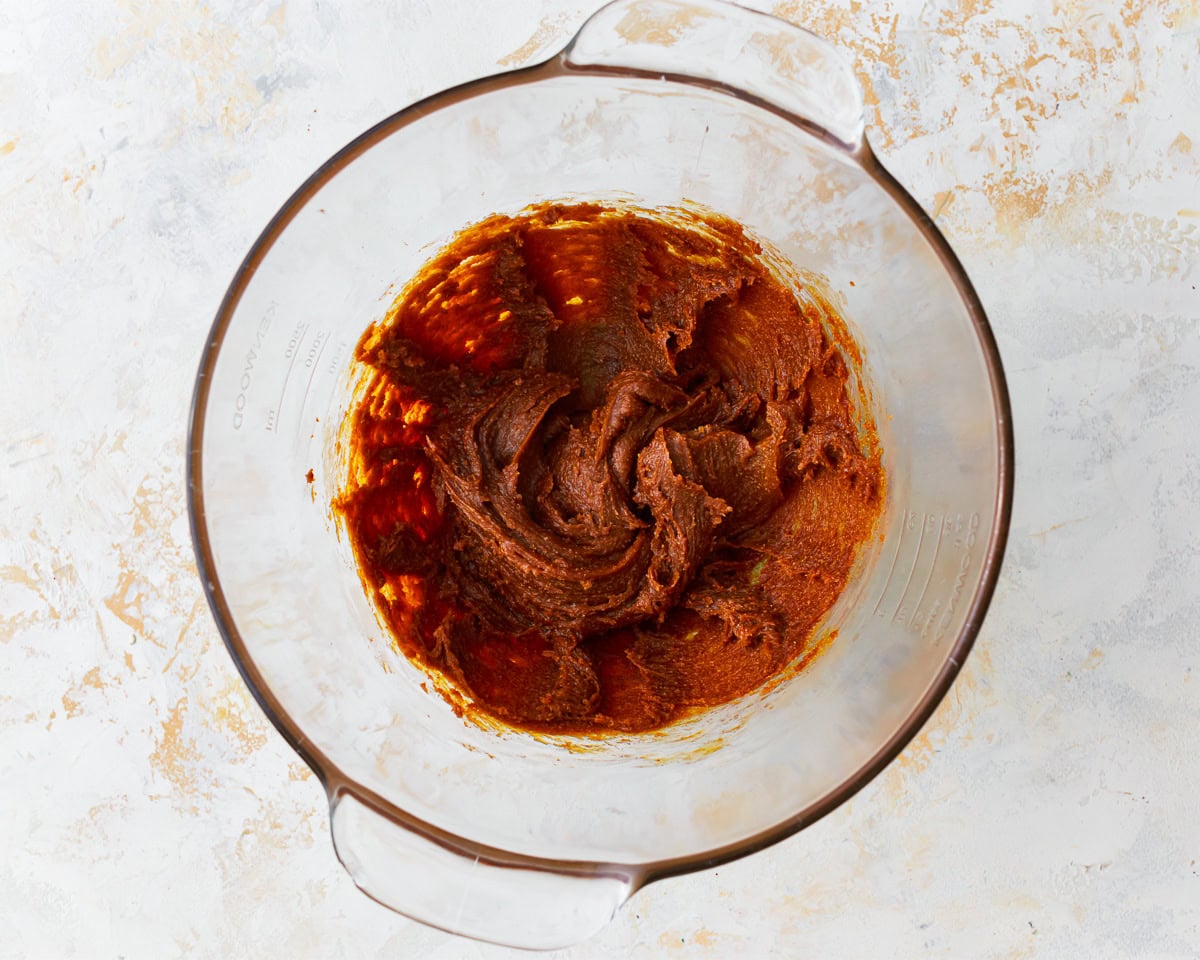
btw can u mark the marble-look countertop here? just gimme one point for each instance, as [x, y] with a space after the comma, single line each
[1048, 809]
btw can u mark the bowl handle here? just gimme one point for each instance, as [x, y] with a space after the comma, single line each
[514, 904]
[750, 54]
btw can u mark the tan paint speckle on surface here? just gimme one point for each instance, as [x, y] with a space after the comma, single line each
[663, 26]
[235, 712]
[549, 30]
[175, 754]
[125, 602]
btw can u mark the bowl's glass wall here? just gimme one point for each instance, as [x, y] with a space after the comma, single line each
[279, 389]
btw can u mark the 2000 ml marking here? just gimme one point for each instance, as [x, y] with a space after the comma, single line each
[289, 354]
[953, 531]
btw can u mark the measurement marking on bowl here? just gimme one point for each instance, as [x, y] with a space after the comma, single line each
[920, 617]
[313, 361]
[891, 569]
[293, 351]
[932, 566]
[336, 358]
[916, 557]
[938, 614]
[968, 530]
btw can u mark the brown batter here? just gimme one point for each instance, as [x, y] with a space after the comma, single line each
[605, 467]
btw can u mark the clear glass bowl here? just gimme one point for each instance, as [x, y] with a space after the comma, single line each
[530, 841]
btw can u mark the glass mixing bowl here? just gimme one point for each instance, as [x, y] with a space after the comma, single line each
[536, 841]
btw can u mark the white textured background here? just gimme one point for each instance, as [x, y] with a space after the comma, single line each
[1048, 810]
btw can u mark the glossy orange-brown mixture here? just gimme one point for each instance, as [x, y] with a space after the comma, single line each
[605, 468]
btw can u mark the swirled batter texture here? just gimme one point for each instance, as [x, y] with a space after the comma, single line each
[605, 467]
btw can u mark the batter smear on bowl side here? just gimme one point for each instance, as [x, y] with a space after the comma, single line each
[605, 467]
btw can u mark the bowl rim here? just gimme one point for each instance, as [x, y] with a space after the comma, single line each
[335, 782]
